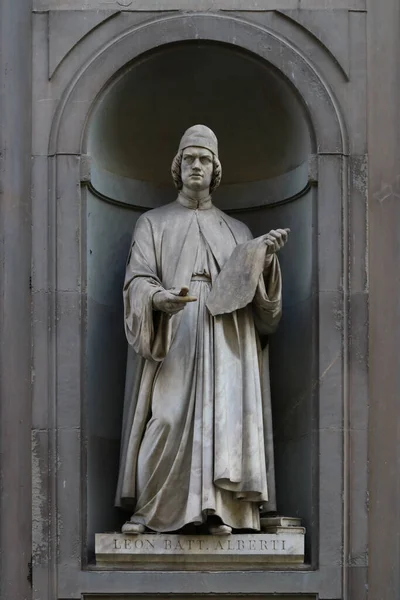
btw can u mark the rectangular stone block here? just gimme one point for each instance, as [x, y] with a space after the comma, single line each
[190, 597]
[160, 551]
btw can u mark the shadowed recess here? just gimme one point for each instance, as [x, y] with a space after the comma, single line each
[264, 146]
[259, 121]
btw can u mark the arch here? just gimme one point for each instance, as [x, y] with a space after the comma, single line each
[245, 100]
[74, 107]
[329, 140]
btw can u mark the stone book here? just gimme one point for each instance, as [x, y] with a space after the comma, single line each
[283, 530]
[280, 522]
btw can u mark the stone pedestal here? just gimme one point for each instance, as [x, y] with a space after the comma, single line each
[177, 552]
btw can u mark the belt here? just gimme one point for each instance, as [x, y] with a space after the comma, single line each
[205, 278]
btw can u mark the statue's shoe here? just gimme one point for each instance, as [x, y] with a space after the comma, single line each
[133, 528]
[220, 530]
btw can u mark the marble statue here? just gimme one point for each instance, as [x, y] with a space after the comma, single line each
[198, 294]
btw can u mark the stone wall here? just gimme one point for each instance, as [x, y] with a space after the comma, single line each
[340, 59]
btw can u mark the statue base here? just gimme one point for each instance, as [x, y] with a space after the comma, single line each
[155, 551]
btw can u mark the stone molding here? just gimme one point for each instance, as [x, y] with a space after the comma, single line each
[67, 143]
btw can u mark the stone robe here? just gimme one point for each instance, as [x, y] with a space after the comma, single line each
[197, 430]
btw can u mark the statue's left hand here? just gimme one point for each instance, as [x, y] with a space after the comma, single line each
[275, 240]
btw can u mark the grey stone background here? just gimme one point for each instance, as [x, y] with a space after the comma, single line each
[58, 61]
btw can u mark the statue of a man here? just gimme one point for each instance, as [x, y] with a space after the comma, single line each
[198, 293]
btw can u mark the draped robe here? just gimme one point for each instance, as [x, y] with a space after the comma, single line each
[197, 431]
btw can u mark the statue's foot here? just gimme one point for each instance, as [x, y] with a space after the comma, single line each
[133, 528]
[220, 529]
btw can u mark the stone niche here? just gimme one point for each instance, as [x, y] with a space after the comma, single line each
[266, 148]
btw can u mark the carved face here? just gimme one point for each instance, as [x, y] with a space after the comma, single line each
[197, 168]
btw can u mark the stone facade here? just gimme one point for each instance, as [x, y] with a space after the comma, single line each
[336, 63]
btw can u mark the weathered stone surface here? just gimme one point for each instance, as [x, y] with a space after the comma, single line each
[15, 298]
[158, 5]
[150, 550]
[190, 597]
[334, 4]
[384, 308]
[66, 29]
[330, 28]
[332, 460]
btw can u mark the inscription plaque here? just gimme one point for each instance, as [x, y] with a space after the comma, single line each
[176, 550]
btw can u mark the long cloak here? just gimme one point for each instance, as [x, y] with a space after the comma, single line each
[197, 431]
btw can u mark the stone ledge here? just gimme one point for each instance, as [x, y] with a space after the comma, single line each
[168, 551]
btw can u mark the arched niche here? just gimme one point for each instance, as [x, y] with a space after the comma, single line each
[308, 399]
[265, 144]
[264, 136]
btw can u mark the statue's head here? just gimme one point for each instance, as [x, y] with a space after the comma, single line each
[196, 165]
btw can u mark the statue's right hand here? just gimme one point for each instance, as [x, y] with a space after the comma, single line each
[172, 301]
